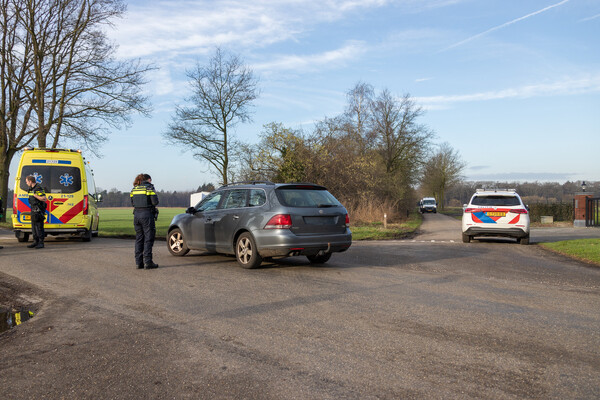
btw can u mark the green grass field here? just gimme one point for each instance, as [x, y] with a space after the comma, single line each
[119, 221]
[581, 249]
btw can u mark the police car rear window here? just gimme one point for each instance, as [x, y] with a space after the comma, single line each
[505, 201]
[53, 178]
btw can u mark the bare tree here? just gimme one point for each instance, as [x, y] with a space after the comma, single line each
[401, 142]
[360, 101]
[223, 92]
[59, 78]
[442, 171]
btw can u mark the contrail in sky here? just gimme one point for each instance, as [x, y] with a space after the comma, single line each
[505, 24]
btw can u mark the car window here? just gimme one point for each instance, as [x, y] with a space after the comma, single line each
[210, 202]
[429, 202]
[54, 179]
[235, 198]
[494, 200]
[300, 197]
[257, 198]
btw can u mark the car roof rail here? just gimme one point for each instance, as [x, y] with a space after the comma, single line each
[495, 190]
[248, 183]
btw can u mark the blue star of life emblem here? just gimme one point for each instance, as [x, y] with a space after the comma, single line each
[66, 180]
[38, 177]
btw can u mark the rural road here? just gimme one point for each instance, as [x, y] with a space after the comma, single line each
[429, 317]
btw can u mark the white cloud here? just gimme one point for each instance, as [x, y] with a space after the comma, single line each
[311, 62]
[567, 86]
[180, 27]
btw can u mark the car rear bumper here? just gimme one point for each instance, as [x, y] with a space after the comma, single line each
[282, 244]
[53, 231]
[507, 232]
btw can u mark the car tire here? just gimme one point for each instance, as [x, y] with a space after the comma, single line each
[23, 238]
[87, 235]
[176, 243]
[319, 259]
[246, 252]
[466, 238]
[524, 240]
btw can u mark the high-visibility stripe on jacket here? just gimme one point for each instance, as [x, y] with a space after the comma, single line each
[144, 196]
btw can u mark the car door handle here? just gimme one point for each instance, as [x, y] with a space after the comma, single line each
[236, 217]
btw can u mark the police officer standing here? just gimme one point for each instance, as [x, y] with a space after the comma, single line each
[37, 203]
[144, 200]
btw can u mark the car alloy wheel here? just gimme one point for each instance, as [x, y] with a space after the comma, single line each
[176, 243]
[246, 252]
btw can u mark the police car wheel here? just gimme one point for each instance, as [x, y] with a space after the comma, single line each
[176, 243]
[246, 252]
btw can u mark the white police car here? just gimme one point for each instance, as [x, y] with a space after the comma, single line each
[496, 212]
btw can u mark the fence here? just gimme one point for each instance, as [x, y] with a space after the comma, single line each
[592, 208]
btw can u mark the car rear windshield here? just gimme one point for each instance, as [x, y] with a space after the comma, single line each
[53, 178]
[306, 196]
[495, 200]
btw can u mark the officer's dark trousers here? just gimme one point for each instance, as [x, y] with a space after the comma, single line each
[37, 227]
[145, 230]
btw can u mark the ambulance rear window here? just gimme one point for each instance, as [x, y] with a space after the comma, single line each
[53, 178]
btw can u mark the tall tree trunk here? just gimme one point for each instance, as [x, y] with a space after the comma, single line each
[5, 159]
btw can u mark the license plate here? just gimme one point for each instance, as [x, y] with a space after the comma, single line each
[26, 217]
[496, 214]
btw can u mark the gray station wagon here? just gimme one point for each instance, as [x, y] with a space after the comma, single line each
[258, 220]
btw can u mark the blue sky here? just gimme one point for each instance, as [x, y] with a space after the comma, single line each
[514, 86]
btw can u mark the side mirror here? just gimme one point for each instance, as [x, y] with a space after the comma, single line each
[190, 210]
[99, 198]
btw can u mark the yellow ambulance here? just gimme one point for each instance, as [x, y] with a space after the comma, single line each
[67, 179]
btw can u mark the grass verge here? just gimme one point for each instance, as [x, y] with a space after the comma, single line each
[587, 250]
[376, 231]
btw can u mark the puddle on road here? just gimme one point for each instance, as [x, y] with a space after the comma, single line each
[10, 319]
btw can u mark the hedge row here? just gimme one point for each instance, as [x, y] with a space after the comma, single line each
[560, 211]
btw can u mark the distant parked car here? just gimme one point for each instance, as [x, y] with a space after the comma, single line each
[496, 213]
[428, 204]
[256, 220]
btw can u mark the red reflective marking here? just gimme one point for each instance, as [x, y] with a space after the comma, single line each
[22, 207]
[75, 210]
[516, 219]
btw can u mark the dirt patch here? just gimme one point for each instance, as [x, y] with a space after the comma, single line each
[16, 294]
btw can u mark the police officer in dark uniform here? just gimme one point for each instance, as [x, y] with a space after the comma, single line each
[144, 200]
[37, 203]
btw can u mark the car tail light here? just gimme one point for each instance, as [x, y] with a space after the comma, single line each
[15, 206]
[472, 210]
[279, 221]
[347, 221]
[518, 211]
[85, 204]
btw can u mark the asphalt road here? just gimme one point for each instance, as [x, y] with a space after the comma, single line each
[424, 318]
